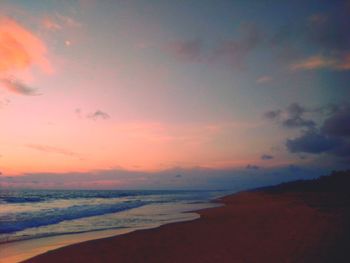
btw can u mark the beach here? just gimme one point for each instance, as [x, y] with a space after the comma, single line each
[33, 222]
[201, 131]
[300, 222]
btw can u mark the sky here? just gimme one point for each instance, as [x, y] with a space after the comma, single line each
[172, 94]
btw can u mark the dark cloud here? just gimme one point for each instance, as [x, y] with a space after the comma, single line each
[51, 149]
[291, 117]
[98, 114]
[343, 150]
[252, 167]
[295, 110]
[327, 110]
[266, 157]
[298, 122]
[315, 142]
[312, 142]
[273, 115]
[331, 137]
[295, 118]
[338, 124]
[15, 86]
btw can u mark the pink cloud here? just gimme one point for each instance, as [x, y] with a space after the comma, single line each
[52, 149]
[340, 62]
[20, 49]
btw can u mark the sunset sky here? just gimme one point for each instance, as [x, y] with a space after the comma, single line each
[183, 94]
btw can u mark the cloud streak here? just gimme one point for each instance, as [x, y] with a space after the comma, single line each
[340, 62]
[266, 157]
[338, 124]
[17, 87]
[52, 149]
[252, 167]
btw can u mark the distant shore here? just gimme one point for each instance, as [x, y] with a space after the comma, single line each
[304, 221]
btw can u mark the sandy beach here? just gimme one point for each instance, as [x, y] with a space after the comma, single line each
[167, 131]
[288, 223]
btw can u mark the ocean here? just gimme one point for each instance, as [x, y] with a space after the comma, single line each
[32, 214]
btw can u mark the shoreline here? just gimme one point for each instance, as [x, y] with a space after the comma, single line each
[285, 223]
[21, 250]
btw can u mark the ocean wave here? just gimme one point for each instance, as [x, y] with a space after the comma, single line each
[32, 196]
[13, 199]
[19, 221]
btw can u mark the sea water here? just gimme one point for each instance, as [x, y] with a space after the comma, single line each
[32, 214]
